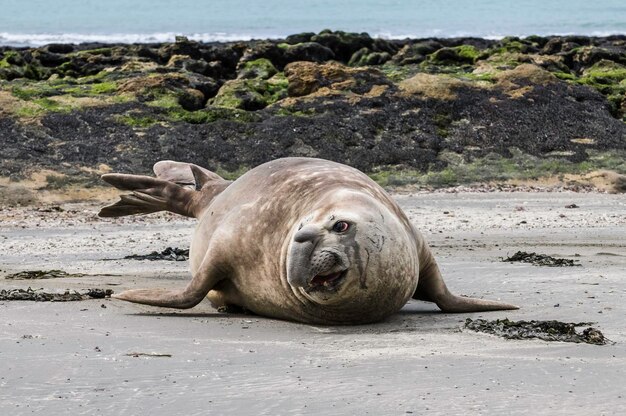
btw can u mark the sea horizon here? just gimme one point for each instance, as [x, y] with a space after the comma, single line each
[37, 22]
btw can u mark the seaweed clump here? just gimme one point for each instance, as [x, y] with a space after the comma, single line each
[169, 254]
[38, 295]
[540, 260]
[544, 330]
[42, 274]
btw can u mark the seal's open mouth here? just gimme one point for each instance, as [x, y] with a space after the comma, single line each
[327, 282]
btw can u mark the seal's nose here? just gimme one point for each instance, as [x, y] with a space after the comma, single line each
[299, 260]
[306, 233]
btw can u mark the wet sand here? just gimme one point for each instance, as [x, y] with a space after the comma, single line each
[78, 357]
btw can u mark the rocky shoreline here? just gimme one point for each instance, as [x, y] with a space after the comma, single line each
[434, 112]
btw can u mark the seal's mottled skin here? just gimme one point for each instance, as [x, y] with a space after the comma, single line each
[274, 242]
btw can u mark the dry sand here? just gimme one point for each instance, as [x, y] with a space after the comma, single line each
[77, 357]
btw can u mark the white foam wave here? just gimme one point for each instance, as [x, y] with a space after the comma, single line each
[487, 35]
[39, 39]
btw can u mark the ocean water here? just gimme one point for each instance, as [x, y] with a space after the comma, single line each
[37, 22]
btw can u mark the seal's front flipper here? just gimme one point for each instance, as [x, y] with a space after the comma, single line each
[431, 288]
[205, 278]
[181, 188]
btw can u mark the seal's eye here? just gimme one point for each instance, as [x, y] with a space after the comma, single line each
[341, 227]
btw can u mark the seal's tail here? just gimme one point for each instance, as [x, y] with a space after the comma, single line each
[181, 188]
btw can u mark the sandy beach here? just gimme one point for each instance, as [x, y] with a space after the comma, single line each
[102, 356]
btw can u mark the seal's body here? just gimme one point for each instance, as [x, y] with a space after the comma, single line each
[297, 238]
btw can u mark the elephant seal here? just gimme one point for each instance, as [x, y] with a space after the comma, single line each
[299, 239]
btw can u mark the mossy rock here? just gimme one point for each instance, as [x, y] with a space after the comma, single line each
[514, 45]
[49, 59]
[306, 78]
[261, 68]
[606, 71]
[11, 66]
[11, 58]
[308, 51]
[299, 38]
[586, 56]
[609, 78]
[251, 94]
[457, 55]
[269, 51]
[416, 53]
[191, 99]
[343, 44]
[189, 64]
[180, 47]
[365, 57]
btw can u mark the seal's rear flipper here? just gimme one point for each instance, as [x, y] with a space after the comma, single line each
[432, 288]
[148, 195]
[185, 174]
[181, 188]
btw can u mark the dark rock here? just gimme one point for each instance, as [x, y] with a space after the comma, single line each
[184, 47]
[225, 57]
[207, 86]
[144, 51]
[59, 48]
[458, 55]
[11, 73]
[364, 57]
[191, 99]
[299, 38]
[539, 41]
[580, 40]
[416, 52]
[564, 44]
[382, 45]
[189, 64]
[50, 59]
[266, 50]
[308, 51]
[217, 70]
[589, 55]
[343, 44]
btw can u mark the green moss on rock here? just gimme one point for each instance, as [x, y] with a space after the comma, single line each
[609, 78]
[458, 55]
[259, 68]
[494, 167]
[251, 94]
[10, 59]
[136, 120]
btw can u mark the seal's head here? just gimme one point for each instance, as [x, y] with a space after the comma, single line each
[351, 251]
